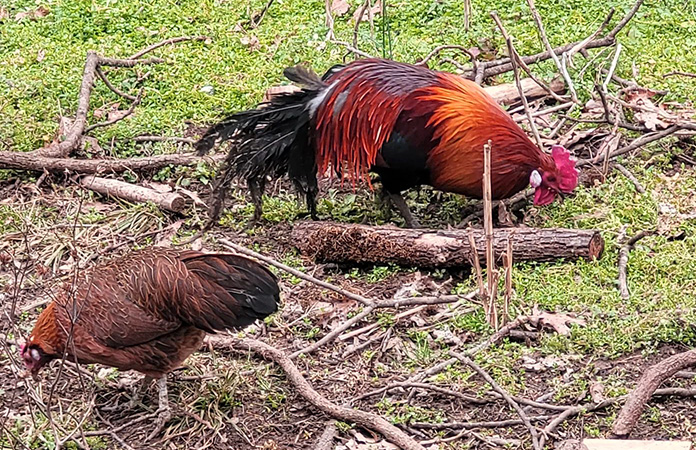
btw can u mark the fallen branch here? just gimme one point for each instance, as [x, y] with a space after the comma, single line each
[352, 243]
[364, 419]
[29, 161]
[170, 201]
[370, 304]
[623, 262]
[500, 66]
[496, 387]
[73, 136]
[647, 384]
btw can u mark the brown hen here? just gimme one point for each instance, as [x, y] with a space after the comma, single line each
[149, 310]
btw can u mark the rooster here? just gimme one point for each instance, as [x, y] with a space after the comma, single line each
[408, 124]
[149, 310]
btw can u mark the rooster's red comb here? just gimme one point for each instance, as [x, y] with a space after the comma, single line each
[566, 167]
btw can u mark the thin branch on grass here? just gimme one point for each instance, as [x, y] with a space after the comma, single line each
[545, 40]
[113, 88]
[627, 173]
[500, 66]
[490, 299]
[351, 48]
[623, 261]
[256, 19]
[514, 58]
[440, 48]
[364, 419]
[612, 67]
[523, 416]
[74, 134]
[682, 74]
[641, 141]
[164, 139]
[166, 42]
[29, 161]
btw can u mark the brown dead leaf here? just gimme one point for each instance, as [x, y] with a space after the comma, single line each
[250, 41]
[105, 109]
[597, 392]
[64, 125]
[654, 117]
[339, 7]
[360, 14]
[91, 144]
[40, 56]
[557, 321]
[165, 239]
[576, 136]
[116, 114]
[197, 245]
[4, 14]
[35, 14]
[594, 108]
[162, 188]
[192, 195]
[41, 11]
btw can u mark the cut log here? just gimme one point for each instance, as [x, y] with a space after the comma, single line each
[170, 201]
[351, 243]
[505, 94]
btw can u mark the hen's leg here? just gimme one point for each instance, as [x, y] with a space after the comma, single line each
[163, 411]
[401, 205]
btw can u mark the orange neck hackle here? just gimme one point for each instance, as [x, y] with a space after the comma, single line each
[464, 120]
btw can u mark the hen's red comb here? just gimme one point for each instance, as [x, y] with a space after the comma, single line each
[566, 167]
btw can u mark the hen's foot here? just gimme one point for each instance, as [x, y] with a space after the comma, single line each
[164, 413]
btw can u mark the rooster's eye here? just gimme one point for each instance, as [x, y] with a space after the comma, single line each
[551, 179]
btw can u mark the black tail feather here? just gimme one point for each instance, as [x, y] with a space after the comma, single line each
[270, 141]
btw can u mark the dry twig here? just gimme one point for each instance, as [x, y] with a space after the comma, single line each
[623, 262]
[523, 416]
[365, 419]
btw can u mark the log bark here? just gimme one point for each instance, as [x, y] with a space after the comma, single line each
[351, 243]
[170, 201]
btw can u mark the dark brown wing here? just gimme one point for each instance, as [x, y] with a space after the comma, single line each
[105, 310]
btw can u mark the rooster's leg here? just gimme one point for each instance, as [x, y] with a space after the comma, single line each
[163, 412]
[256, 187]
[401, 205]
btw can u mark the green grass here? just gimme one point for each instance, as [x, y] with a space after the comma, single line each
[35, 90]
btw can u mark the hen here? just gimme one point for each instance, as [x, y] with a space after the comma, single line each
[409, 124]
[149, 310]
